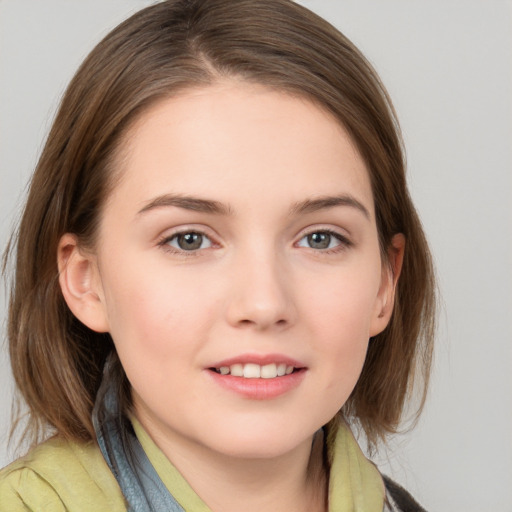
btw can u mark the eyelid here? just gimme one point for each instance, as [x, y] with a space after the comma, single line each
[325, 228]
[340, 234]
[168, 235]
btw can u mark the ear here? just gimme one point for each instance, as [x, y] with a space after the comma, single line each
[80, 283]
[390, 273]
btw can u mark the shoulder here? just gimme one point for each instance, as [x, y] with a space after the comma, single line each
[60, 475]
[398, 499]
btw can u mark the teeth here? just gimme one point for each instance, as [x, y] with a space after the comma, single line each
[237, 370]
[269, 371]
[252, 371]
[255, 371]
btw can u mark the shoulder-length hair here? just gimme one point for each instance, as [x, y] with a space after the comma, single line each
[163, 49]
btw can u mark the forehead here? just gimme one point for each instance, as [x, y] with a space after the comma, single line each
[239, 137]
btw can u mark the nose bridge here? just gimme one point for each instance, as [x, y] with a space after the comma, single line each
[262, 294]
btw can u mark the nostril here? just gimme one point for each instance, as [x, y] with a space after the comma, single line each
[246, 322]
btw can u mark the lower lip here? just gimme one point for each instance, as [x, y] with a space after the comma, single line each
[259, 389]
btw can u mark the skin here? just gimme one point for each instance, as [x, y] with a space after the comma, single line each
[256, 285]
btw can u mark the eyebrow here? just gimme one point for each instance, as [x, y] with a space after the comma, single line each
[321, 203]
[215, 207]
[195, 204]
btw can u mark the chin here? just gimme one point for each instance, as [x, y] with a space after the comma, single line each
[258, 449]
[257, 443]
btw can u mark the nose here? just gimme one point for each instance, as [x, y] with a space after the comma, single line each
[261, 292]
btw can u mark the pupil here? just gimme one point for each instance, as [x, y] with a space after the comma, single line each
[190, 241]
[319, 240]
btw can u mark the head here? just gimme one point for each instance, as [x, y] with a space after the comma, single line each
[161, 53]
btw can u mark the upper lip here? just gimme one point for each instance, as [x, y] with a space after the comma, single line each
[260, 359]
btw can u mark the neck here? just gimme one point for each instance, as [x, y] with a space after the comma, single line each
[292, 481]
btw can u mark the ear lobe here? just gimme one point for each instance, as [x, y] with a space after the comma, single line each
[390, 273]
[80, 284]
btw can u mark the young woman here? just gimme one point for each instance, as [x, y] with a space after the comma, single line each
[219, 273]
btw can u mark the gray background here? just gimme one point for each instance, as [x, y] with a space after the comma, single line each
[448, 67]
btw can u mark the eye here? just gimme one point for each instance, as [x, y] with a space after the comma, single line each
[189, 241]
[322, 240]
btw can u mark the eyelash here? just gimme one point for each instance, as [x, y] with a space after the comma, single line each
[344, 242]
[165, 243]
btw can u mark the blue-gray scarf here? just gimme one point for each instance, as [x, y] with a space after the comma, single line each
[140, 484]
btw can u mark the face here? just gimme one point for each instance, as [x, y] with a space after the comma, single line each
[238, 269]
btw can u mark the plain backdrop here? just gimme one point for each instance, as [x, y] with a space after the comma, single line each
[448, 67]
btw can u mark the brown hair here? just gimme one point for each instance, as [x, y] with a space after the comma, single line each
[57, 362]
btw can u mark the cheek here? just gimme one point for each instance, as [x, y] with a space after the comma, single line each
[343, 304]
[153, 335]
[150, 319]
[339, 319]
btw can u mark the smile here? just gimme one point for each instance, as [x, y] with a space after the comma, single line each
[256, 371]
[258, 376]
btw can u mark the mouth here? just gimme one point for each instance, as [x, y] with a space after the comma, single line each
[256, 371]
[258, 377]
